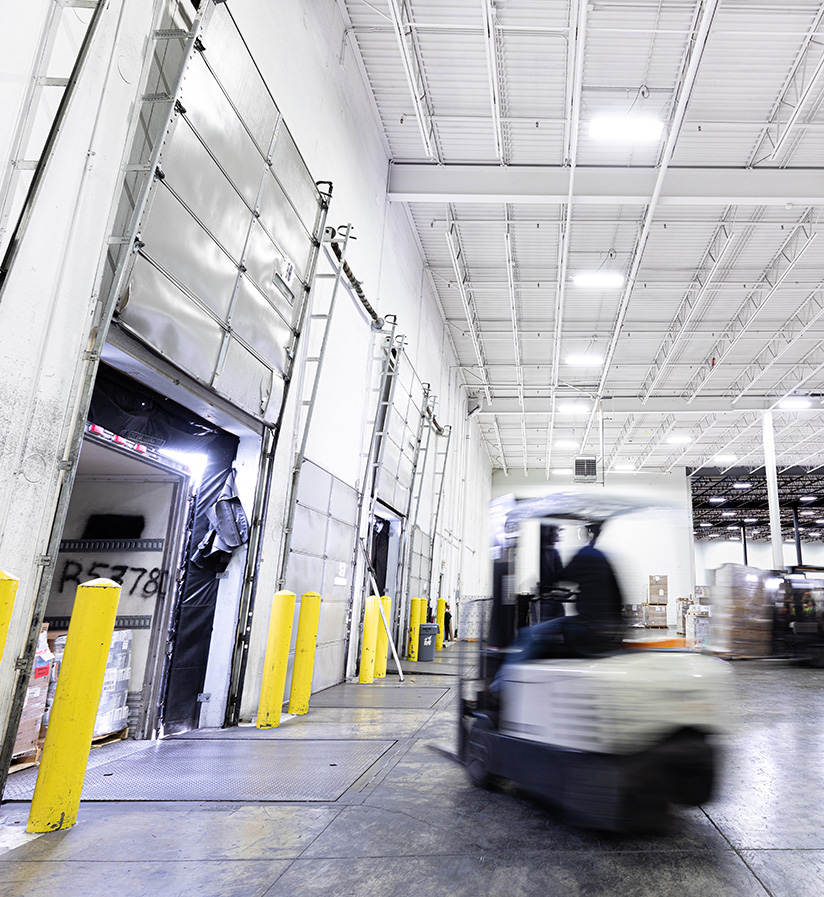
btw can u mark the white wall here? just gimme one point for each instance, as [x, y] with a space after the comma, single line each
[329, 112]
[650, 542]
[711, 554]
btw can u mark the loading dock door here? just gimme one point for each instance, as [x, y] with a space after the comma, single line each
[125, 522]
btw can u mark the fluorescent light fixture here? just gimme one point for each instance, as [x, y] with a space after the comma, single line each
[732, 527]
[728, 513]
[679, 440]
[820, 521]
[600, 280]
[742, 485]
[585, 360]
[717, 499]
[725, 459]
[807, 513]
[794, 403]
[625, 467]
[573, 407]
[705, 525]
[562, 471]
[750, 520]
[565, 443]
[626, 128]
[807, 497]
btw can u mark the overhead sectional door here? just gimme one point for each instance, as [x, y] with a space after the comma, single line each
[226, 245]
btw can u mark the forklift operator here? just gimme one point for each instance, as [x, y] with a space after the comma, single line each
[597, 625]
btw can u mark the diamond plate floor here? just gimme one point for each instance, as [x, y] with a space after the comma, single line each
[224, 771]
[383, 697]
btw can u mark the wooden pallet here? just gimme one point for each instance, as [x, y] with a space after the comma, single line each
[25, 761]
[110, 738]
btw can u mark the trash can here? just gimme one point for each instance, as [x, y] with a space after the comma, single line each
[426, 641]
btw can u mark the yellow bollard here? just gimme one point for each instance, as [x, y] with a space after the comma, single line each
[383, 639]
[8, 590]
[414, 628]
[439, 620]
[305, 645]
[371, 619]
[276, 661]
[71, 724]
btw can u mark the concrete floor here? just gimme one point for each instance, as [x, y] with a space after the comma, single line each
[412, 823]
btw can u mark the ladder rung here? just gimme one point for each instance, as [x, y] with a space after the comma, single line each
[52, 82]
[26, 164]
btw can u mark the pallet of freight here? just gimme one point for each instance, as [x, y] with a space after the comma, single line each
[25, 761]
[634, 616]
[28, 732]
[743, 608]
[655, 616]
[111, 738]
[682, 605]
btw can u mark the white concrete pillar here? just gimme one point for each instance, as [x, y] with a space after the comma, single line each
[772, 491]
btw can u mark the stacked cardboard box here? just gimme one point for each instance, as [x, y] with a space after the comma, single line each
[35, 704]
[682, 605]
[742, 618]
[697, 626]
[655, 616]
[112, 711]
[655, 606]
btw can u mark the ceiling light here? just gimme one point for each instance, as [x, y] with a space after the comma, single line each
[584, 360]
[717, 499]
[732, 527]
[565, 443]
[705, 525]
[573, 407]
[728, 513]
[626, 128]
[679, 440]
[598, 279]
[742, 485]
[820, 521]
[794, 403]
[807, 497]
[725, 459]
[750, 520]
[807, 513]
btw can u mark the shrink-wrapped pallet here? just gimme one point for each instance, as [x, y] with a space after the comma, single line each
[743, 608]
[634, 616]
[682, 605]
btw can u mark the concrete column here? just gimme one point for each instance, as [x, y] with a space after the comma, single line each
[772, 491]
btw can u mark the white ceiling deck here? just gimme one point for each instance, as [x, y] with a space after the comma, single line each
[715, 227]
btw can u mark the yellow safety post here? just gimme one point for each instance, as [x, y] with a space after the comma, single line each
[439, 616]
[414, 628]
[305, 645]
[423, 607]
[8, 591]
[276, 661]
[382, 647]
[371, 618]
[71, 724]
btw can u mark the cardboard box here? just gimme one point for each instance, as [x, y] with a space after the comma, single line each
[35, 704]
[657, 590]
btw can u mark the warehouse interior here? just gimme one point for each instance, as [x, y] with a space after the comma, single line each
[354, 271]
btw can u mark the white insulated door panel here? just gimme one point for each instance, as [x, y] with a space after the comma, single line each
[215, 122]
[260, 325]
[172, 321]
[207, 273]
[284, 225]
[235, 70]
[295, 179]
[192, 173]
[250, 382]
[265, 265]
